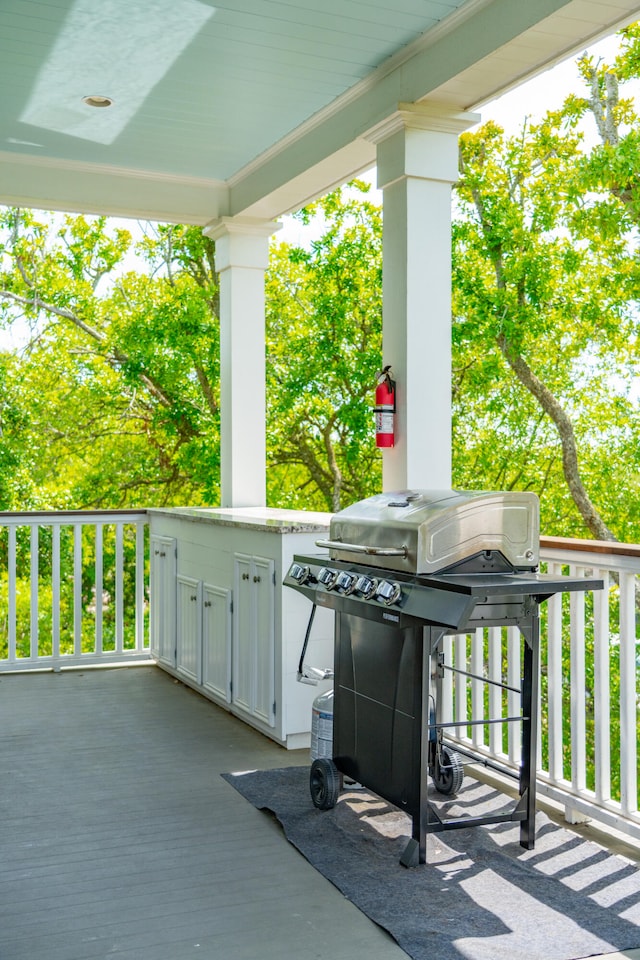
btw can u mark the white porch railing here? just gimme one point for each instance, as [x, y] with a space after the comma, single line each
[73, 589]
[588, 737]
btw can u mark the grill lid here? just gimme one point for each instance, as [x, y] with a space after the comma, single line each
[433, 531]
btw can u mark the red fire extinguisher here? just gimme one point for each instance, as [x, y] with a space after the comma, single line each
[385, 409]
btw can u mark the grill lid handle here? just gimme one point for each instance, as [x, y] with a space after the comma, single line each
[362, 548]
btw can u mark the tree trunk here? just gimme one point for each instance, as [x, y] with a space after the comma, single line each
[592, 519]
[336, 473]
[570, 467]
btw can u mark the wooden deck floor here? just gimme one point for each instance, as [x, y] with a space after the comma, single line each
[119, 838]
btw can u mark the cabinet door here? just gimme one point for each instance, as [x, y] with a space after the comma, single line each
[243, 665]
[216, 641]
[189, 638]
[253, 670]
[162, 599]
[263, 602]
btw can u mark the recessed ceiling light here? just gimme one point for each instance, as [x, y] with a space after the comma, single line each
[97, 101]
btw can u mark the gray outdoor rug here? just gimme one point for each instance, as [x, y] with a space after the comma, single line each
[480, 896]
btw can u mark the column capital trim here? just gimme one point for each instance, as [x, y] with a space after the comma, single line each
[425, 115]
[241, 226]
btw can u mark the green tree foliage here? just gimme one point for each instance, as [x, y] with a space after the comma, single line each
[116, 393]
[324, 335]
[114, 400]
[545, 326]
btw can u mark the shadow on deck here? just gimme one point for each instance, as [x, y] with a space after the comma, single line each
[118, 837]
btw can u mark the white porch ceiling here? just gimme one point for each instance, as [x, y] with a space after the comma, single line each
[246, 106]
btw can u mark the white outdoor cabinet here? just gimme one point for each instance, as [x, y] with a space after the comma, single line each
[239, 632]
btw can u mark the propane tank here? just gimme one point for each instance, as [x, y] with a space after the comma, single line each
[322, 726]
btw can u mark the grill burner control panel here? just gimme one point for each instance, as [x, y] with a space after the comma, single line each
[367, 592]
[344, 582]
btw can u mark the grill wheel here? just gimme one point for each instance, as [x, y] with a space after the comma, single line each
[448, 771]
[324, 783]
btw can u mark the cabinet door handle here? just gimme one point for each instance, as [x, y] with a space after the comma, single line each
[245, 576]
[162, 553]
[156, 552]
[257, 579]
[207, 603]
[193, 597]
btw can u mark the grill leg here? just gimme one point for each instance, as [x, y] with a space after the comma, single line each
[423, 818]
[530, 630]
[413, 853]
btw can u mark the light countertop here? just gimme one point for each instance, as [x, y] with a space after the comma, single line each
[253, 518]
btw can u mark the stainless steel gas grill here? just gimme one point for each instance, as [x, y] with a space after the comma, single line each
[403, 570]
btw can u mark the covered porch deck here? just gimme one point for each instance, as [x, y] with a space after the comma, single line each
[120, 838]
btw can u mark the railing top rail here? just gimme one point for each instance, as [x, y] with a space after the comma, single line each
[611, 547]
[71, 515]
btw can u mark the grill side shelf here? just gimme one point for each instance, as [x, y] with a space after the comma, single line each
[541, 586]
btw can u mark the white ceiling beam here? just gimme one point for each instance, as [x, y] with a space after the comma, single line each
[49, 184]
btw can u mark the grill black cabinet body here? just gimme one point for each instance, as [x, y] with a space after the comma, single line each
[387, 654]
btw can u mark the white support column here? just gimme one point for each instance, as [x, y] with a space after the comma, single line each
[417, 156]
[242, 256]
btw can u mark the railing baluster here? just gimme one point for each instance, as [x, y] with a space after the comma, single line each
[77, 589]
[446, 705]
[495, 694]
[11, 587]
[477, 686]
[628, 703]
[554, 680]
[460, 684]
[33, 619]
[55, 593]
[99, 586]
[514, 679]
[119, 588]
[578, 688]
[140, 633]
[601, 692]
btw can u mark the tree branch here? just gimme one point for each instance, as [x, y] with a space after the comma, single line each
[115, 357]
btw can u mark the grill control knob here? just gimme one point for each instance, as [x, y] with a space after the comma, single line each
[345, 582]
[327, 577]
[388, 592]
[366, 587]
[299, 572]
